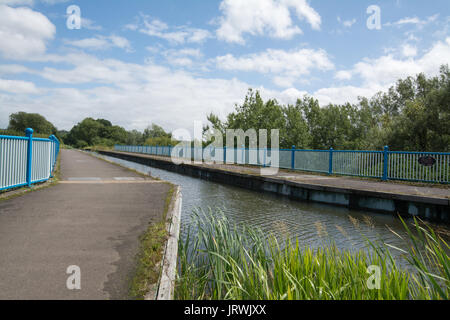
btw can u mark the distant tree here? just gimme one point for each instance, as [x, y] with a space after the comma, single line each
[90, 132]
[134, 137]
[155, 131]
[21, 120]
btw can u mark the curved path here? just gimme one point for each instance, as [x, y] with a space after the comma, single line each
[91, 219]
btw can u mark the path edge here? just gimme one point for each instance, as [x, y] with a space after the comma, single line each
[169, 262]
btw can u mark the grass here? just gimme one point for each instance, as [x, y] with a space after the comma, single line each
[224, 261]
[150, 255]
[99, 148]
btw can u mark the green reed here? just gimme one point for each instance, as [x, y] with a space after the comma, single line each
[225, 261]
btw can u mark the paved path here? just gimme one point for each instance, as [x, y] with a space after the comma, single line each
[92, 219]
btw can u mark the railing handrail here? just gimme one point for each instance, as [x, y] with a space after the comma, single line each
[306, 150]
[382, 164]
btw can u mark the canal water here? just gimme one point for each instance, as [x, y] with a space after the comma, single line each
[312, 224]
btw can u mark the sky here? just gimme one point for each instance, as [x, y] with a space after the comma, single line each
[138, 62]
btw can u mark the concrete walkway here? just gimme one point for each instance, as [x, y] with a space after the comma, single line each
[92, 219]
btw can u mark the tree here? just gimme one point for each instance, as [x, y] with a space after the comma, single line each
[90, 132]
[414, 115]
[155, 131]
[21, 120]
[296, 129]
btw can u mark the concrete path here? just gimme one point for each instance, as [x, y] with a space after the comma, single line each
[92, 219]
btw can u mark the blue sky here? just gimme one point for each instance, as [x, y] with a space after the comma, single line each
[172, 62]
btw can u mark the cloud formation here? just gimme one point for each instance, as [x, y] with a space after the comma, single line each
[24, 33]
[263, 17]
[285, 66]
[175, 35]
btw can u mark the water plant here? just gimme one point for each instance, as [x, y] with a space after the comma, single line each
[226, 261]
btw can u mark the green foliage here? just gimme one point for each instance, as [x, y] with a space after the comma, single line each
[155, 135]
[21, 120]
[101, 132]
[161, 141]
[6, 132]
[91, 132]
[225, 261]
[413, 115]
[155, 131]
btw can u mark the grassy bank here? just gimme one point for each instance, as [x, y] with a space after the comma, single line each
[224, 261]
[152, 242]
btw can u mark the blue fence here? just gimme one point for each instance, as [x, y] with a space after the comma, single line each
[26, 160]
[431, 167]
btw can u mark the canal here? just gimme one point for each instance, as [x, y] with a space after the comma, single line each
[311, 223]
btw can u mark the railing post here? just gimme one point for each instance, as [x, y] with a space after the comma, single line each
[52, 157]
[330, 166]
[293, 158]
[29, 134]
[385, 163]
[224, 155]
[265, 155]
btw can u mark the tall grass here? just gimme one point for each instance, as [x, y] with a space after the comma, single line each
[224, 261]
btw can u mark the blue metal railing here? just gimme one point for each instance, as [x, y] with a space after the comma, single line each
[26, 160]
[431, 167]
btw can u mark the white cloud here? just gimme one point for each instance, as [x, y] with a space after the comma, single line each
[409, 50]
[381, 73]
[182, 58]
[343, 75]
[18, 86]
[259, 17]
[101, 43]
[388, 69]
[131, 95]
[89, 24]
[286, 66]
[346, 23]
[17, 2]
[23, 32]
[29, 2]
[413, 21]
[54, 1]
[344, 94]
[13, 69]
[175, 35]
[134, 95]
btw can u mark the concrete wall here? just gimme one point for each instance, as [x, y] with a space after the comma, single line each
[433, 209]
[169, 263]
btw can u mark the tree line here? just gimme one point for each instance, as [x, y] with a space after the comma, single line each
[413, 115]
[87, 133]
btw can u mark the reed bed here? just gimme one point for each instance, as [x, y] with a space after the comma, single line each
[224, 261]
